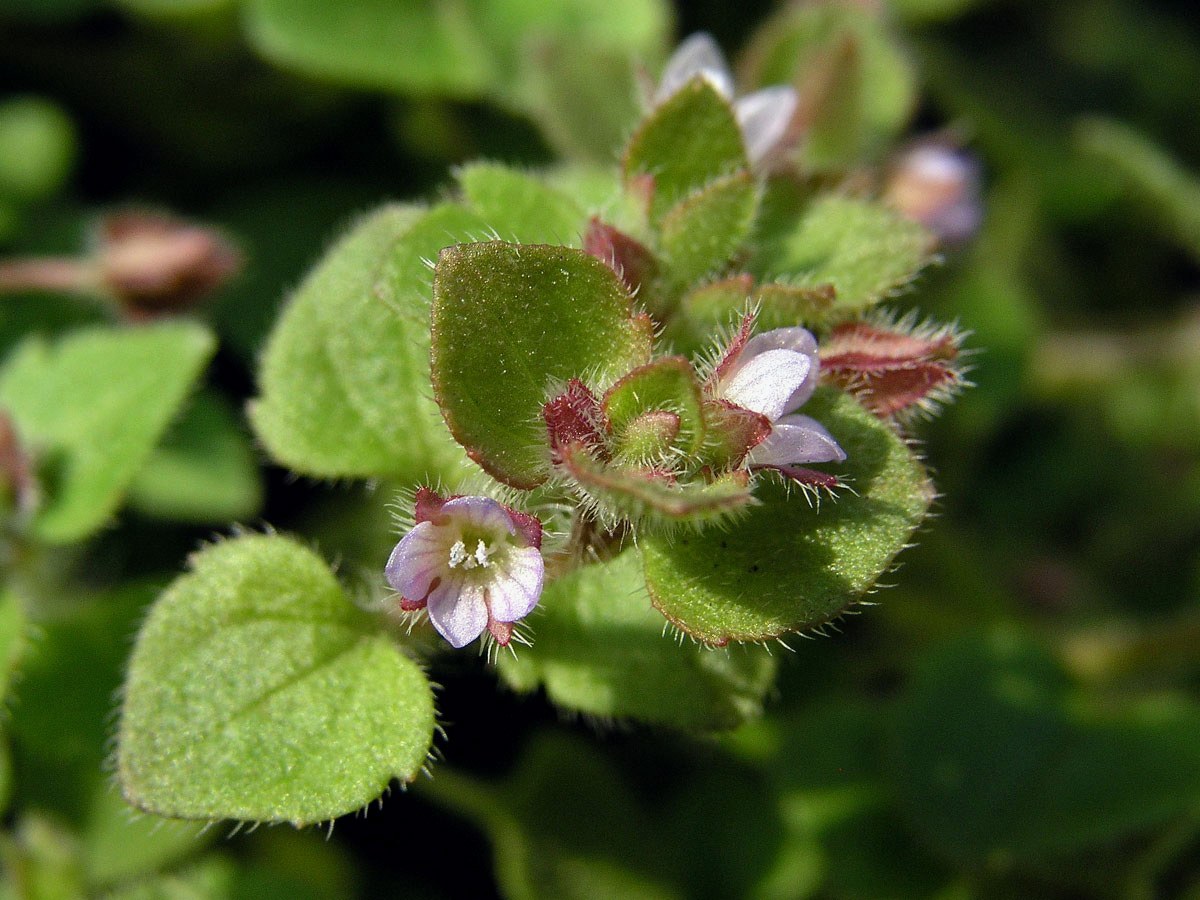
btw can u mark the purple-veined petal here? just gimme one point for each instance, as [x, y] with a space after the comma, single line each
[419, 558]
[457, 609]
[764, 117]
[482, 513]
[799, 340]
[698, 55]
[517, 585]
[767, 382]
[796, 440]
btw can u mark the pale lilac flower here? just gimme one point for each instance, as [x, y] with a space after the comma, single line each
[763, 116]
[473, 563]
[774, 374]
[938, 185]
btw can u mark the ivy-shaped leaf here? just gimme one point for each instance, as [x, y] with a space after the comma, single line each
[866, 251]
[91, 407]
[343, 384]
[511, 322]
[787, 565]
[599, 648]
[257, 690]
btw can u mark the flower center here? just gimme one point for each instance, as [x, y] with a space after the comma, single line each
[461, 559]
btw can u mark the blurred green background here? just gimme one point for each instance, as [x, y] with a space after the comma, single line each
[1017, 717]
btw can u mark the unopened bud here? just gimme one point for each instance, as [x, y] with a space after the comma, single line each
[154, 264]
[938, 186]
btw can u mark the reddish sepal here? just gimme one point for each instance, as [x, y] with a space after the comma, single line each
[574, 417]
[630, 259]
[801, 475]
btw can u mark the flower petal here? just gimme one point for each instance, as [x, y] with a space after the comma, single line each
[799, 340]
[698, 55]
[764, 117]
[457, 609]
[482, 513]
[796, 440]
[517, 585]
[419, 558]
[767, 382]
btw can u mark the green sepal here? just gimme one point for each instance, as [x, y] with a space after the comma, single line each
[599, 648]
[258, 691]
[703, 232]
[519, 206]
[687, 142]
[787, 565]
[649, 495]
[666, 384]
[90, 408]
[342, 387]
[864, 250]
[704, 311]
[786, 305]
[510, 323]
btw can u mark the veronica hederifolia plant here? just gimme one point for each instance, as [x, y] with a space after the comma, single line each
[616, 404]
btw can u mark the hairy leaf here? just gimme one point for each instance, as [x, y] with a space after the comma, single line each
[257, 690]
[510, 324]
[599, 648]
[701, 234]
[344, 378]
[91, 407]
[788, 565]
[519, 206]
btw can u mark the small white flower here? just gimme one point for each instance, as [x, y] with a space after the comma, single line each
[763, 116]
[474, 563]
[939, 186]
[774, 374]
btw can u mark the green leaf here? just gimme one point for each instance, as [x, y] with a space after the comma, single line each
[859, 83]
[510, 322]
[91, 408]
[257, 690]
[864, 250]
[13, 627]
[685, 143]
[1150, 175]
[399, 45]
[997, 758]
[345, 374]
[518, 206]
[599, 648]
[787, 566]
[204, 470]
[37, 148]
[666, 384]
[119, 842]
[701, 234]
[706, 311]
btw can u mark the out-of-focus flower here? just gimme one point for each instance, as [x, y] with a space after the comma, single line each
[473, 563]
[763, 116]
[773, 374]
[938, 185]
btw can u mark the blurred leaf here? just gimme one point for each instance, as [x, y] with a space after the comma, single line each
[857, 86]
[218, 878]
[787, 565]
[344, 374]
[40, 861]
[998, 763]
[564, 826]
[410, 46]
[510, 323]
[599, 648]
[257, 690]
[521, 207]
[691, 139]
[1152, 178]
[701, 234]
[866, 251]
[176, 9]
[13, 636]
[91, 407]
[37, 148]
[119, 842]
[205, 469]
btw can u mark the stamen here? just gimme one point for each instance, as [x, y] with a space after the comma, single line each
[481, 554]
[458, 556]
